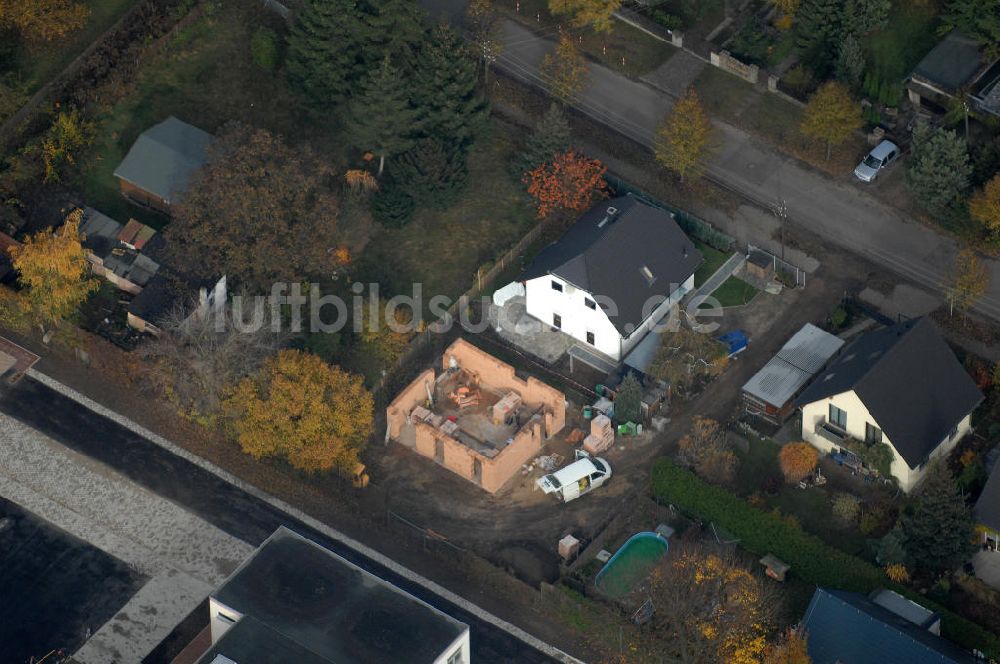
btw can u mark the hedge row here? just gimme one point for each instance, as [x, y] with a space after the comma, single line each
[810, 558]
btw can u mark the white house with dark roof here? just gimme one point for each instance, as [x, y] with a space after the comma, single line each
[899, 385]
[987, 511]
[612, 276]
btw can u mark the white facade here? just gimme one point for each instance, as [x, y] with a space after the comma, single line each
[557, 303]
[857, 417]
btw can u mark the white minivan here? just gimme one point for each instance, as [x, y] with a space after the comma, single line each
[580, 477]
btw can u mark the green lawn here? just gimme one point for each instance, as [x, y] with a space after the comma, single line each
[734, 292]
[894, 51]
[37, 65]
[713, 261]
[641, 52]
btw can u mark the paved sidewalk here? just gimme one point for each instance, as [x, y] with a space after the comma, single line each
[184, 556]
[838, 210]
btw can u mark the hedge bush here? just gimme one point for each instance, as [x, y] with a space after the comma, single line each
[811, 559]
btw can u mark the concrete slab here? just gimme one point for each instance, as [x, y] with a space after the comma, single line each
[528, 333]
[987, 566]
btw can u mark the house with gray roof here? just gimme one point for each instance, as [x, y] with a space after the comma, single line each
[159, 165]
[956, 68]
[295, 601]
[771, 392]
[901, 386]
[850, 628]
[612, 276]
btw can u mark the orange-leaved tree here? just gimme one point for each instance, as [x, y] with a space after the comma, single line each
[984, 207]
[298, 407]
[52, 267]
[797, 461]
[571, 181]
[596, 14]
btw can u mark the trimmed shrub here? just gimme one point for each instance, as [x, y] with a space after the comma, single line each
[392, 206]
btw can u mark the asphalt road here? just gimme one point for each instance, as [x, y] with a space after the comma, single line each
[837, 209]
[229, 508]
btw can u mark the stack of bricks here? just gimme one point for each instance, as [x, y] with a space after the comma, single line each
[602, 435]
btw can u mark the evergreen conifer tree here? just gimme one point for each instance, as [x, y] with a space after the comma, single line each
[940, 532]
[324, 47]
[381, 118]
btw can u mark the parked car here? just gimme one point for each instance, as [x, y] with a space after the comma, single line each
[880, 157]
[582, 476]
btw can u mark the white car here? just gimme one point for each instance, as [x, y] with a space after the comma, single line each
[582, 476]
[881, 156]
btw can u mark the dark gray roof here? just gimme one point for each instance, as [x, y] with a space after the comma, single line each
[987, 508]
[849, 628]
[952, 63]
[910, 382]
[334, 609]
[164, 292]
[163, 158]
[607, 259]
[250, 641]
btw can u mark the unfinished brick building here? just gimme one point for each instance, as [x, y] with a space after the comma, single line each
[475, 417]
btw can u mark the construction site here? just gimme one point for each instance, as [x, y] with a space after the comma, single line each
[475, 417]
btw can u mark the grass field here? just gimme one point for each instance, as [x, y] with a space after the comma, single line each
[894, 51]
[713, 261]
[734, 292]
[38, 64]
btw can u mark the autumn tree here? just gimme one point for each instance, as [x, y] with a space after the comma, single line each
[565, 69]
[43, 20]
[984, 208]
[797, 461]
[550, 137]
[260, 211]
[787, 9]
[445, 89]
[571, 181]
[683, 138]
[198, 356]
[54, 272]
[381, 118]
[324, 58]
[790, 648]
[706, 450]
[595, 14]
[967, 282]
[940, 533]
[685, 357]
[831, 115]
[384, 333]
[62, 143]
[939, 167]
[298, 407]
[483, 22]
[709, 607]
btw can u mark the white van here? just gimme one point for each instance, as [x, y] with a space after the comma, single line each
[580, 477]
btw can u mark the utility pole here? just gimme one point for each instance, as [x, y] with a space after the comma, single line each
[780, 210]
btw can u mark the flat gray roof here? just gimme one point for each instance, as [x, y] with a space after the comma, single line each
[163, 158]
[952, 63]
[331, 607]
[801, 358]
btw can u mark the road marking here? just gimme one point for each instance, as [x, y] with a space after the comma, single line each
[383, 560]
